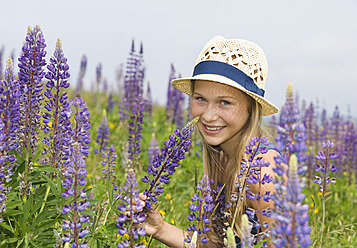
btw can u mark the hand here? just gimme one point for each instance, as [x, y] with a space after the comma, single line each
[154, 221]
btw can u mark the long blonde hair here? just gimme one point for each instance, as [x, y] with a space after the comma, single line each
[211, 160]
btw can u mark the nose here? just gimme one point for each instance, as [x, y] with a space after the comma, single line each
[210, 113]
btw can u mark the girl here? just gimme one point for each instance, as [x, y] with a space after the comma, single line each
[227, 90]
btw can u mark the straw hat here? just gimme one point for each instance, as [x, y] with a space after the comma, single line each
[238, 63]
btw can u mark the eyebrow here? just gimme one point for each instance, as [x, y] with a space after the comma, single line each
[219, 97]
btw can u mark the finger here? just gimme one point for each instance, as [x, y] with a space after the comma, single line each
[143, 197]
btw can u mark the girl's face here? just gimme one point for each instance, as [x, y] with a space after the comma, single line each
[223, 111]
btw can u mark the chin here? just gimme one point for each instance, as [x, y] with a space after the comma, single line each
[213, 142]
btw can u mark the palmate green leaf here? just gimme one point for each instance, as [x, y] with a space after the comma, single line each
[111, 227]
[47, 169]
[26, 210]
[88, 212]
[36, 206]
[37, 156]
[6, 226]
[19, 158]
[46, 225]
[10, 240]
[13, 204]
[13, 212]
[11, 196]
[40, 218]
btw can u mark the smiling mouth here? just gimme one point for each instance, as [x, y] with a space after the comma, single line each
[213, 128]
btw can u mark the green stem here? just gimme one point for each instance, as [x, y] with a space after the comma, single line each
[45, 199]
[323, 197]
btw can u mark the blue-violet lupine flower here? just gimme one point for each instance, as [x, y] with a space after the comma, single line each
[291, 228]
[291, 135]
[108, 162]
[129, 194]
[202, 209]
[1, 54]
[53, 128]
[326, 165]
[98, 75]
[31, 73]
[75, 173]
[111, 103]
[135, 127]
[9, 129]
[74, 186]
[82, 71]
[164, 164]
[170, 104]
[148, 101]
[102, 135]
[153, 149]
[9, 113]
[253, 167]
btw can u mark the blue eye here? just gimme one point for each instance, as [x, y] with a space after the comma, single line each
[201, 99]
[225, 103]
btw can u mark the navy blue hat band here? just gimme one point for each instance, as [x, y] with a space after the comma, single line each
[228, 71]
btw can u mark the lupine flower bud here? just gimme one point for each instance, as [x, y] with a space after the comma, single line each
[231, 241]
[246, 237]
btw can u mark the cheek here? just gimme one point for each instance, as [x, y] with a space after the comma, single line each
[196, 109]
[238, 115]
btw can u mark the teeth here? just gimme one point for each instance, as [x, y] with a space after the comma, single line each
[213, 128]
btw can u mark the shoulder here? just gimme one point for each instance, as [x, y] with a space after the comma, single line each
[269, 155]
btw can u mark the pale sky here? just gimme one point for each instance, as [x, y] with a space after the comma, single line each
[310, 43]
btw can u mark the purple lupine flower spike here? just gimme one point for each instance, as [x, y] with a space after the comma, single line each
[164, 164]
[9, 111]
[291, 135]
[252, 168]
[31, 73]
[202, 209]
[135, 127]
[170, 95]
[74, 185]
[75, 174]
[9, 129]
[133, 82]
[291, 228]
[1, 68]
[54, 123]
[111, 103]
[148, 102]
[325, 166]
[153, 149]
[82, 71]
[98, 76]
[129, 194]
[108, 163]
[102, 135]
[312, 133]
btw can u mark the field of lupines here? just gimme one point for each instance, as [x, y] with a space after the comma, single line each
[72, 161]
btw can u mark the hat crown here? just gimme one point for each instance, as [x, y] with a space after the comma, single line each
[242, 54]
